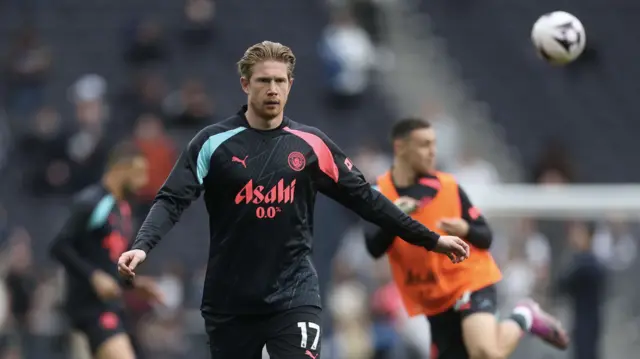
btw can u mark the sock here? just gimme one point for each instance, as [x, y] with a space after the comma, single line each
[523, 317]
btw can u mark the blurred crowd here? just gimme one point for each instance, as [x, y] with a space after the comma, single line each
[54, 148]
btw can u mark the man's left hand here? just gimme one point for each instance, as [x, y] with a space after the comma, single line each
[454, 226]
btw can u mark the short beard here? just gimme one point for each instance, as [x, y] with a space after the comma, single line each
[263, 115]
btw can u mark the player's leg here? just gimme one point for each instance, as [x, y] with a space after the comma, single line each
[117, 346]
[135, 345]
[295, 334]
[536, 321]
[106, 335]
[232, 336]
[446, 336]
[484, 336]
[478, 321]
[131, 330]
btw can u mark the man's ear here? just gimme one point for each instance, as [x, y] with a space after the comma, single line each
[244, 82]
[398, 145]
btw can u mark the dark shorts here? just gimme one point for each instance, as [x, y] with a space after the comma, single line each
[290, 334]
[446, 328]
[99, 326]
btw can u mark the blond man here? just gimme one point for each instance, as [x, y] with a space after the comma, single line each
[260, 172]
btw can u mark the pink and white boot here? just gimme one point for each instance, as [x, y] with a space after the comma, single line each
[542, 324]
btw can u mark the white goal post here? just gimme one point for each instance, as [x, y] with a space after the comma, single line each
[556, 201]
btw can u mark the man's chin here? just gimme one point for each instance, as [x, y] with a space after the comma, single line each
[270, 114]
[428, 171]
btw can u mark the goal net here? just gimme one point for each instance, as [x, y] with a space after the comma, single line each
[538, 230]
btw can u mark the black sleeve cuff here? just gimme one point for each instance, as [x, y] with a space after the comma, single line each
[145, 247]
[431, 244]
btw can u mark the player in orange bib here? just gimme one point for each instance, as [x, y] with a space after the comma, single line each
[459, 300]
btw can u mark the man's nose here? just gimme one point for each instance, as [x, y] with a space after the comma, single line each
[273, 88]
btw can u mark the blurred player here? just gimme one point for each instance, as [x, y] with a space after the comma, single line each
[260, 172]
[460, 301]
[88, 246]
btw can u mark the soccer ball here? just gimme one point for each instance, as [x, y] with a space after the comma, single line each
[559, 37]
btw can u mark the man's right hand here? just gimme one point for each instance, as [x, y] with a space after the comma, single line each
[455, 248]
[128, 262]
[407, 205]
[105, 286]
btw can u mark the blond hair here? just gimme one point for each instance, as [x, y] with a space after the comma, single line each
[266, 51]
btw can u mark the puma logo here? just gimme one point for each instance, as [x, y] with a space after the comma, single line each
[310, 354]
[240, 161]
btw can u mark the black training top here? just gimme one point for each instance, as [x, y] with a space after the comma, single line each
[259, 190]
